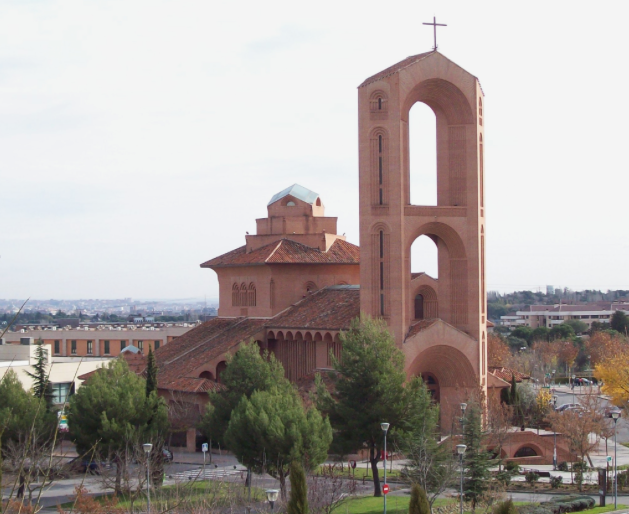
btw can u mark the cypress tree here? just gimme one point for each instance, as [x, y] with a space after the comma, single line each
[513, 393]
[298, 503]
[41, 384]
[419, 501]
[151, 374]
[477, 459]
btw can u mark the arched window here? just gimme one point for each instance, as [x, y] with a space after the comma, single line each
[206, 374]
[481, 173]
[380, 242]
[378, 103]
[243, 295]
[235, 295]
[310, 287]
[290, 204]
[379, 165]
[483, 298]
[252, 295]
[419, 306]
[480, 111]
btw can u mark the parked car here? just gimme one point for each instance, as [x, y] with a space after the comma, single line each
[567, 406]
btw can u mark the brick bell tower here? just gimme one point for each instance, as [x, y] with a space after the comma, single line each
[440, 324]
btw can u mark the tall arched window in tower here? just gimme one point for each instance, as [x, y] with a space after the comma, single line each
[251, 295]
[483, 298]
[380, 241]
[379, 165]
[480, 172]
[480, 111]
[235, 295]
[422, 136]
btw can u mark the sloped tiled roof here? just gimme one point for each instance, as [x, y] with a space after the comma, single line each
[299, 192]
[182, 357]
[506, 374]
[286, 251]
[194, 385]
[330, 308]
[419, 326]
[395, 68]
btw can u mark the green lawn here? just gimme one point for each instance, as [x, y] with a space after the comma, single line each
[371, 505]
[399, 505]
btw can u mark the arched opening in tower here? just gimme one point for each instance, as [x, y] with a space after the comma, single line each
[422, 132]
[424, 257]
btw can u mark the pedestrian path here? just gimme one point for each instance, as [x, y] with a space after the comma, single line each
[209, 474]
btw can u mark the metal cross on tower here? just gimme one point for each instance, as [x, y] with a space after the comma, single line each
[434, 26]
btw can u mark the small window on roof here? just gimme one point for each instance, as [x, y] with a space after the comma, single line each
[318, 202]
[290, 204]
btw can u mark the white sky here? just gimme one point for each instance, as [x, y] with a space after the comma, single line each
[139, 139]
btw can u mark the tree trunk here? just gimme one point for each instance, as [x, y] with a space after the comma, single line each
[282, 478]
[118, 484]
[374, 458]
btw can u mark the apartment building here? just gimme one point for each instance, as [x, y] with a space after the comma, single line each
[99, 341]
[551, 315]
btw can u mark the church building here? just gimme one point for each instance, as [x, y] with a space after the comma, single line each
[296, 284]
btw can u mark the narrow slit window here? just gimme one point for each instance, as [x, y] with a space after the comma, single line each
[381, 244]
[381, 304]
[379, 104]
[382, 275]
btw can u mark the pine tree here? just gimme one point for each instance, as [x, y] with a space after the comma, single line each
[477, 460]
[41, 384]
[419, 501]
[151, 374]
[298, 503]
[370, 387]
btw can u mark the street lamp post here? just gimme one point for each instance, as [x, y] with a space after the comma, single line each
[271, 496]
[460, 449]
[554, 438]
[615, 414]
[385, 429]
[462, 420]
[573, 387]
[147, 449]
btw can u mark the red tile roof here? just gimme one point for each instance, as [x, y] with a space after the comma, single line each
[330, 308]
[286, 251]
[194, 385]
[506, 374]
[210, 340]
[419, 326]
[395, 68]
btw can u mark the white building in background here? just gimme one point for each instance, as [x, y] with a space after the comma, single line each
[63, 371]
[552, 315]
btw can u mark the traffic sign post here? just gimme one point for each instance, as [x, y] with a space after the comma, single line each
[204, 449]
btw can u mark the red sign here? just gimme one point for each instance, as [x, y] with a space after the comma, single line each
[385, 489]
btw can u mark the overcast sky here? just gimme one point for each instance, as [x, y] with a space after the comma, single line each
[139, 139]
